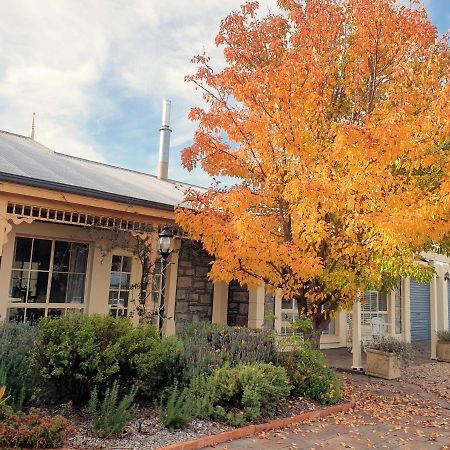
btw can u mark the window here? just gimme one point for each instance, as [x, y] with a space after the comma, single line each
[374, 305]
[289, 312]
[119, 286]
[48, 278]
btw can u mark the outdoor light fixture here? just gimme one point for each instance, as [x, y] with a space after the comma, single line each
[165, 245]
[447, 276]
[165, 241]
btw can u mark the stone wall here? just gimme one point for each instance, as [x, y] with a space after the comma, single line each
[237, 305]
[194, 297]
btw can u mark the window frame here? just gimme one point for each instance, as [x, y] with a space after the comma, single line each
[65, 307]
[124, 309]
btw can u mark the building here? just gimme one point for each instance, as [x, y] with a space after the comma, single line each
[57, 257]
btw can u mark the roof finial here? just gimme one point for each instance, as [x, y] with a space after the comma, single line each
[32, 126]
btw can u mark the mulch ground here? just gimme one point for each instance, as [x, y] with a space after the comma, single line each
[146, 432]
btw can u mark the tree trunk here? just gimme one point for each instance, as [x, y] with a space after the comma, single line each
[318, 320]
[143, 288]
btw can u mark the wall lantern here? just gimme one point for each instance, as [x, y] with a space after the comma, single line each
[165, 241]
[447, 276]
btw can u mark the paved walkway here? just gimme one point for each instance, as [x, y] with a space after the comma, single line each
[388, 414]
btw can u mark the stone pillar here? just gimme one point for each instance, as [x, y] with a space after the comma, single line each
[356, 336]
[433, 312]
[220, 302]
[407, 309]
[256, 306]
[171, 290]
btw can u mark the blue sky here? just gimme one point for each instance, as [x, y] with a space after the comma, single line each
[96, 73]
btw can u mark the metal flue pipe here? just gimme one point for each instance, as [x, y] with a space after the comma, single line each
[164, 142]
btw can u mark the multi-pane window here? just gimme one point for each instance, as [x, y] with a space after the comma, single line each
[374, 305]
[119, 286]
[48, 278]
[289, 313]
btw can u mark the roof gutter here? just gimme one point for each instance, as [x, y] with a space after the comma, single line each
[44, 184]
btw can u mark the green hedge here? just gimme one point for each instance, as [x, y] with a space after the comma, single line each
[76, 353]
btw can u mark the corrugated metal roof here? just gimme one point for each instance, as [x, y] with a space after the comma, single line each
[25, 161]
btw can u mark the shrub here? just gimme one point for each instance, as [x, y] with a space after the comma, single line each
[76, 353]
[160, 367]
[19, 430]
[310, 375]
[256, 390]
[403, 350]
[111, 416]
[208, 346]
[16, 342]
[179, 409]
[444, 335]
[231, 394]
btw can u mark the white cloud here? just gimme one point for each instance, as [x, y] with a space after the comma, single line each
[57, 55]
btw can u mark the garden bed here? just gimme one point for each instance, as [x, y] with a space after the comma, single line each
[142, 391]
[146, 432]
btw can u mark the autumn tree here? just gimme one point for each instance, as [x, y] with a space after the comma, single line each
[332, 119]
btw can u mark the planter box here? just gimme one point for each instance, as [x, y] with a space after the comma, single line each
[382, 364]
[443, 351]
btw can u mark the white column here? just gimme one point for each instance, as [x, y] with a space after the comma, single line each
[445, 299]
[3, 222]
[4, 274]
[356, 336]
[220, 302]
[434, 319]
[391, 315]
[278, 300]
[171, 290]
[406, 317]
[256, 306]
[442, 297]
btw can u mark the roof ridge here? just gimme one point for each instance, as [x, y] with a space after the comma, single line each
[65, 155]
[168, 180]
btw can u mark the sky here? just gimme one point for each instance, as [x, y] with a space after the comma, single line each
[96, 72]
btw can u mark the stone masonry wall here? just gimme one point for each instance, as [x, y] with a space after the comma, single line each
[194, 296]
[237, 305]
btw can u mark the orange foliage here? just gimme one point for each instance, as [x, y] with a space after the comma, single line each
[333, 117]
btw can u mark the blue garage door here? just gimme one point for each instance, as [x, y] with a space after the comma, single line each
[420, 311]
